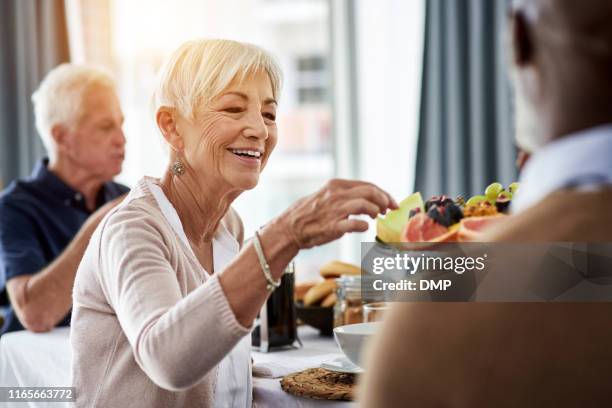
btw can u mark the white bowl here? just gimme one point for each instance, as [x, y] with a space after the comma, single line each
[352, 337]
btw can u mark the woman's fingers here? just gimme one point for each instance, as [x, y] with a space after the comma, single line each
[351, 225]
[392, 203]
[361, 187]
[359, 206]
[325, 216]
[370, 193]
[345, 183]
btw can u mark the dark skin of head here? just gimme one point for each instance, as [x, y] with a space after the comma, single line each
[563, 53]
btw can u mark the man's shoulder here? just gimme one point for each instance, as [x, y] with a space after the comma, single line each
[17, 196]
[565, 215]
[116, 188]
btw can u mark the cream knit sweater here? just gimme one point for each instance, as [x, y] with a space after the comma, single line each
[149, 327]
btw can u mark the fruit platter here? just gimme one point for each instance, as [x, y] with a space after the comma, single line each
[444, 219]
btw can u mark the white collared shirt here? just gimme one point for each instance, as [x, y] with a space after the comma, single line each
[234, 380]
[582, 160]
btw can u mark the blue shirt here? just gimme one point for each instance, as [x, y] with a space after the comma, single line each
[39, 216]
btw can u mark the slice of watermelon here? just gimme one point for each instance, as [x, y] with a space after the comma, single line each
[389, 228]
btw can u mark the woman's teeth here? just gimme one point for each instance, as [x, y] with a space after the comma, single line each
[250, 153]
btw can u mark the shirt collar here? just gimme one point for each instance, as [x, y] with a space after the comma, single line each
[582, 159]
[53, 184]
[62, 191]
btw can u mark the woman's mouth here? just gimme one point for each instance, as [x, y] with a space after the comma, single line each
[247, 156]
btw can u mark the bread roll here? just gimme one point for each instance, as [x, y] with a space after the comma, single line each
[330, 300]
[301, 289]
[336, 268]
[319, 292]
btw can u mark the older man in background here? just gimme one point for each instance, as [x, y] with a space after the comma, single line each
[47, 219]
[527, 354]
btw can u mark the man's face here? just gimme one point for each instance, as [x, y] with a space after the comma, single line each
[96, 143]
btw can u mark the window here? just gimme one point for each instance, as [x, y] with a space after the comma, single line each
[375, 89]
[312, 80]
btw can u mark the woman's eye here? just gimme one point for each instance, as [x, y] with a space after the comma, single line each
[233, 109]
[270, 116]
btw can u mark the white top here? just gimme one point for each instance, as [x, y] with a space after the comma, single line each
[582, 159]
[234, 381]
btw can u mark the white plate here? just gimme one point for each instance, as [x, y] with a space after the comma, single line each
[342, 365]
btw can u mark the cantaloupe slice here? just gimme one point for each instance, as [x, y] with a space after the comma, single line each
[390, 227]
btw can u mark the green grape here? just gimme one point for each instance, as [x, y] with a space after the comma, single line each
[513, 188]
[475, 200]
[493, 190]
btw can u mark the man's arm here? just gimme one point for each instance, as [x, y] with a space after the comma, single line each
[43, 299]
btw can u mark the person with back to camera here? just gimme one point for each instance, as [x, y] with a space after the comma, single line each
[553, 354]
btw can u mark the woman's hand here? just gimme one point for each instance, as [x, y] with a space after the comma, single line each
[325, 215]
[314, 220]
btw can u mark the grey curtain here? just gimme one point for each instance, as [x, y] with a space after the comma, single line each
[33, 40]
[466, 130]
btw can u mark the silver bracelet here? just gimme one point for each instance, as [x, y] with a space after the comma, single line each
[271, 284]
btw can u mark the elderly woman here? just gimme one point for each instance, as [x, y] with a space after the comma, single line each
[166, 294]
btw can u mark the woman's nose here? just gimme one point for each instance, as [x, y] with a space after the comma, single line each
[256, 126]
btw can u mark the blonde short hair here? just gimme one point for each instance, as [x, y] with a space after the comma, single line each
[59, 97]
[199, 70]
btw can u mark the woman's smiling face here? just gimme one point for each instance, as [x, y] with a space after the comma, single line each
[233, 136]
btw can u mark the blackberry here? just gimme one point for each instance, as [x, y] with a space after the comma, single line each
[446, 200]
[433, 200]
[440, 201]
[439, 215]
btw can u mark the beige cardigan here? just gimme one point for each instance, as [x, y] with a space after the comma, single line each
[148, 326]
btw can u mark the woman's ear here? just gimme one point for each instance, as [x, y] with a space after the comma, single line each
[166, 119]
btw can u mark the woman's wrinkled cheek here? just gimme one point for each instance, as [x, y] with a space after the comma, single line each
[210, 146]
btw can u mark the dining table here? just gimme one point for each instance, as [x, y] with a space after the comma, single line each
[43, 360]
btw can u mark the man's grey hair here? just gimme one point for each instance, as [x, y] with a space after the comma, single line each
[59, 97]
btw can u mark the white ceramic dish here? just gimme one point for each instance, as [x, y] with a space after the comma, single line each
[352, 337]
[342, 365]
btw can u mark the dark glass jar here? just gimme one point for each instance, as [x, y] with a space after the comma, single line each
[276, 324]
